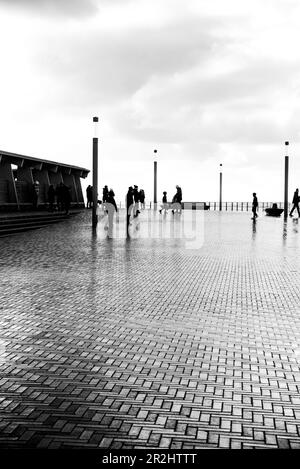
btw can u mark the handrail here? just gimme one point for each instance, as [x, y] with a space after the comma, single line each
[226, 206]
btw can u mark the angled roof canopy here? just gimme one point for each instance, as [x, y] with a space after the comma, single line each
[39, 163]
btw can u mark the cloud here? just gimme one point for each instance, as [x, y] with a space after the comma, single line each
[253, 103]
[209, 80]
[190, 79]
[107, 67]
[65, 8]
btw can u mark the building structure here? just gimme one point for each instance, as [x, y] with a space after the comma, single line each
[20, 176]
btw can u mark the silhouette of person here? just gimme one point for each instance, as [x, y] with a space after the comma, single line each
[176, 201]
[104, 197]
[136, 197]
[104, 194]
[165, 204]
[129, 204]
[295, 203]
[51, 197]
[254, 206]
[66, 198]
[142, 198]
[111, 208]
[89, 196]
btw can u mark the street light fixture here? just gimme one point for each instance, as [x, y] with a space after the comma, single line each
[220, 193]
[286, 183]
[95, 172]
[155, 180]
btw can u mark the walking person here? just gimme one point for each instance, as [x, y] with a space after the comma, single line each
[254, 206]
[165, 205]
[51, 197]
[296, 201]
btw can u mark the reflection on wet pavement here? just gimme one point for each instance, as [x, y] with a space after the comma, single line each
[184, 335]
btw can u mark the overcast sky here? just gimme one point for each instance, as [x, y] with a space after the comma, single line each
[202, 81]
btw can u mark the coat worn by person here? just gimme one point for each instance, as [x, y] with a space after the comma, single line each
[111, 200]
[296, 198]
[136, 195]
[129, 199]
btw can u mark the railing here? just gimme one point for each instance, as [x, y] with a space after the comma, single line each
[226, 206]
[243, 206]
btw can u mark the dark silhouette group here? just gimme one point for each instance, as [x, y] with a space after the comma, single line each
[135, 201]
[275, 211]
[176, 202]
[59, 198]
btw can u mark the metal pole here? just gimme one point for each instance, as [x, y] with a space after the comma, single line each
[286, 184]
[95, 175]
[155, 181]
[220, 201]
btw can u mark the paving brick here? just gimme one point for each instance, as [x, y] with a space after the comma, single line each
[123, 344]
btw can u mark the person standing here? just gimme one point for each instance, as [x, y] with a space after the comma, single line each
[179, 198]
[104, 197]
[136, 197]
[295, 203]
[111, 208]
[104, 194]
[142, 198]
[129, 205]
[165, 204]
[254, 206]
[89, 196]
[176, 201]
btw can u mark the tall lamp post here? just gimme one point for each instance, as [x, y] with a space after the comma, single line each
[286, 184]
[155, 181]
[95, 173]
[220, 194]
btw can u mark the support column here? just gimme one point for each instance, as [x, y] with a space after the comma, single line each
[24, 185]
[55, 177]
[69, 181]
[41, 175]
[8, 193]
[79, 191]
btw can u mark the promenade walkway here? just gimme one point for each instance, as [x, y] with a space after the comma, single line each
[152, 342]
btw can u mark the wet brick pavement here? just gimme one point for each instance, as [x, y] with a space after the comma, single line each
[151, 342]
